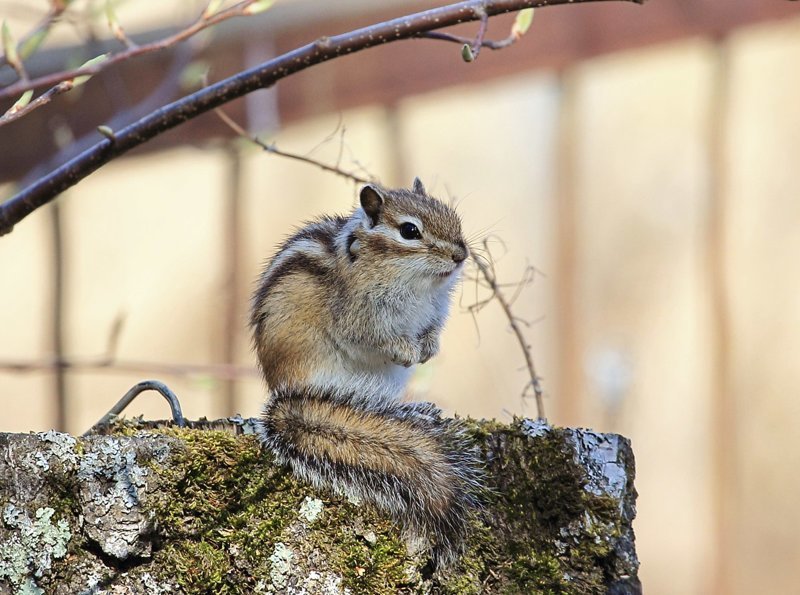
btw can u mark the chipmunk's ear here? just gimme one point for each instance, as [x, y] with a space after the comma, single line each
[417, 187]
[372, 202]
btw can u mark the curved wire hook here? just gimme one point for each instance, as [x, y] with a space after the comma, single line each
[135, 391]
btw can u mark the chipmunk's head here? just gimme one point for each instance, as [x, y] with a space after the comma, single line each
[411, 232]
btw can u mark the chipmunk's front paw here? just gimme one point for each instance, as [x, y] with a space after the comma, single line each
[429, 346]
[404, 353]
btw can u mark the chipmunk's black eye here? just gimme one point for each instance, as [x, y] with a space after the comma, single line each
[409, 231]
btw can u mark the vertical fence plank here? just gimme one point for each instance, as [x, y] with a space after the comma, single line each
[232, 275]
[58, 259]
[723, 411]
[568, 402]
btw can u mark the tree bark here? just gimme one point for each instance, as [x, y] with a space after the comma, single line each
[150, 508]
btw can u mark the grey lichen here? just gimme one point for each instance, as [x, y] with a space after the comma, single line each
[112, 484]
[311, 509]
[281, 560]
[32, 546]
[325, 583]
[62, 446]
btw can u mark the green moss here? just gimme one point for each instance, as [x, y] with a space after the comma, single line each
[123, 426]
[216, 483]
[226, 502]
[545, 523]
[366, 566]
[225, 506]
[537, 572]
[201, 567]
[470, 575]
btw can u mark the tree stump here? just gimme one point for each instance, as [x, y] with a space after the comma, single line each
[150, 508]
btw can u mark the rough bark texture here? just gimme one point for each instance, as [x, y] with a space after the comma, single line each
[203, 510]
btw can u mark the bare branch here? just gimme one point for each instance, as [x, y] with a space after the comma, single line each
[218, 371]
[108, 361]
[469, 51]
[486, 43]
[116, 28]
[264, 75]
[271, 148]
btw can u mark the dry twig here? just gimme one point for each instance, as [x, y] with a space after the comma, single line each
[218, 371]
[271, 148]
[109, 361]
[472, 47]
[29, 42]
[486, 268]
[46, 97]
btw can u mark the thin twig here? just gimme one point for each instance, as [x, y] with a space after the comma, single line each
[42, 28]
[46, 97]
[271, 148]
[166, 89]
[231, 231]
[475, 46]
[109, 361]
[486, 43]
[489, 276]
[219, 371]
[131, 51]
[15, 209]
[479, 41]
[57, 328]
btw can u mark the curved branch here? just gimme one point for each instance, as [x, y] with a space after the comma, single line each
[264, 75]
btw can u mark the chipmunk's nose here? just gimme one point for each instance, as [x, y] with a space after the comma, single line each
[460, 253]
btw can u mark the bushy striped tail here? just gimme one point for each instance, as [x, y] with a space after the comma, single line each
[401, 457]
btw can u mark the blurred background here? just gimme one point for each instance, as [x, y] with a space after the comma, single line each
[635, 166]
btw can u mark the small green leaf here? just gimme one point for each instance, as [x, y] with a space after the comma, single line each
[30, 45]
[466, 53]
[193, 75]
[522, 23]
[21, 102]
[10, 47]
[79, 80]
[258, 6]
[107, 132]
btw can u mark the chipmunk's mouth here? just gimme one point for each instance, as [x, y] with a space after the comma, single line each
[446, 274]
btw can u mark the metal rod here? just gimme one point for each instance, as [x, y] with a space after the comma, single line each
[174, 405]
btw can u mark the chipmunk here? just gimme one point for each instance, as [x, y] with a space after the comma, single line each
[340, 316]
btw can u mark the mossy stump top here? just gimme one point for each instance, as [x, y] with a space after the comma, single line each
[149, 508]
